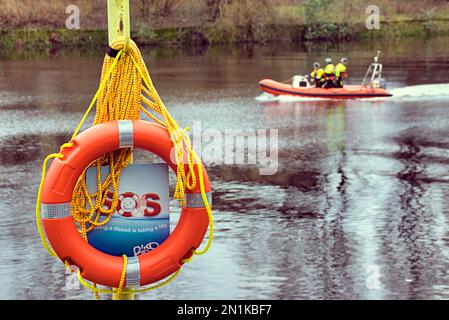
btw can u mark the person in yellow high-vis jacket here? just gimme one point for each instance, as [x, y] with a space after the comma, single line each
[340, 72]
[317, 75]
[329, 74]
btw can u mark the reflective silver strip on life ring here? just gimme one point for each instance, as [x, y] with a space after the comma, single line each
[133, 272]
[55, 210]
[126, 133]
[196, 200]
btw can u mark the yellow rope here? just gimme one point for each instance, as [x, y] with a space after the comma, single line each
[122, 98]
[96, 290]
[208, 208]
[121, 95]
[123, 275]
[38, 204]
[106, 291]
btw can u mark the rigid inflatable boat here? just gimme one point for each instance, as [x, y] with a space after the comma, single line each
[373, 86]
[347, 92]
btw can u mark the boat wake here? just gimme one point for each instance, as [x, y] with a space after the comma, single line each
[8, 98]
[419, 91]
[266, 97]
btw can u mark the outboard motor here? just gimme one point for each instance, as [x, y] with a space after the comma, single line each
[300, 82]
[304, 83]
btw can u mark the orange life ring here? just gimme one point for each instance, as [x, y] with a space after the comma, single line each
[99, 267]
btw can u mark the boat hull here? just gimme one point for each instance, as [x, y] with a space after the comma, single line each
[347, 92]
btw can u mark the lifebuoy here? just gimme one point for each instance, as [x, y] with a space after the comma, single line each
[97, 266]
[128, 202]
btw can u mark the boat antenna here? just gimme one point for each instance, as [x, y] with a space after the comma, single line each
[376, 58]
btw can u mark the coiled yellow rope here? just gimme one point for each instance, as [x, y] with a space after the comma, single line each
[125, 90]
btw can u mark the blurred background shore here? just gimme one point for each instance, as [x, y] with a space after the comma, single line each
[30, 24]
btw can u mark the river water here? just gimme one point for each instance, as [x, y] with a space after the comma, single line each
[358, 208]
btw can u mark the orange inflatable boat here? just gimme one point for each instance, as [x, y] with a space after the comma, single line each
[347, 92]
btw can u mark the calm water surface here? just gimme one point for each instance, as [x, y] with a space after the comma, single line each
[361, 193]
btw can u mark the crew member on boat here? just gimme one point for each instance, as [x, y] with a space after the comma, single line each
[340, 72]
[317, 75]
[329, 74]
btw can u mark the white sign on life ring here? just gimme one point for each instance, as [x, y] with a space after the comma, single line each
[142, 214]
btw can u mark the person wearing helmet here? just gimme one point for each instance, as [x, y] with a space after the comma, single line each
[329, 74]
[317, 75]
[340, 72]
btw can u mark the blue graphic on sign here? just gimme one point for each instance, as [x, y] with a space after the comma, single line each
[141, 221]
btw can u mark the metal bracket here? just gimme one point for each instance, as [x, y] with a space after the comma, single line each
[119, 25]
[374, 72]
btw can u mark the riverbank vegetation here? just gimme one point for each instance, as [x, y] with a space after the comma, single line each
[26, 23]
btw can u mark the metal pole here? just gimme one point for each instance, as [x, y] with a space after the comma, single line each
[367, 74]
[119, 25]
[124, 296]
